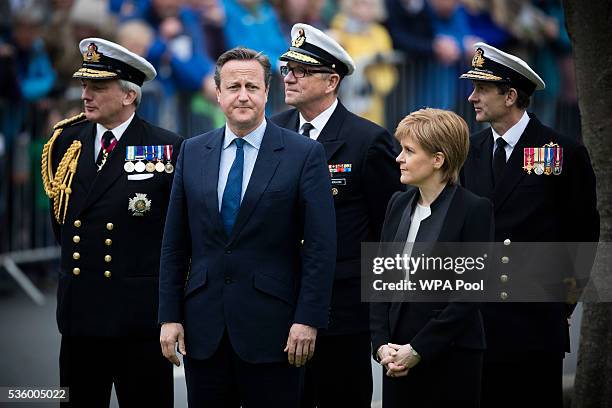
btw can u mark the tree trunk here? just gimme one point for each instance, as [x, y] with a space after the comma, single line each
[589, 26]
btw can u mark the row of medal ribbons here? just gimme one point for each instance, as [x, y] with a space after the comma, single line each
[148, 158]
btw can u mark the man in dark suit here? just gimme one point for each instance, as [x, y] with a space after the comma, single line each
[532, 196]
[248, 253]
[364, 175]
[108, 174]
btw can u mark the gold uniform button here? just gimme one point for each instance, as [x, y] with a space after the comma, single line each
[110, 226]
[107, 274]
[506, 242]
[77, 223]
[503, 278]
[334, 191]
[76, 239]
[76, 256]
[108, 258]
[108, 242]
[505, 259]
[76, 271]
[503, 296]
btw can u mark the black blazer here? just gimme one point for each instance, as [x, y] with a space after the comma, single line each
[434, 328]
[360, 201]
[124, 304]
[532, 208]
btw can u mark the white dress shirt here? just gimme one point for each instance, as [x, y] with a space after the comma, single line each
[228, 154]
[512, 136]
[318, 122]
[117, 132]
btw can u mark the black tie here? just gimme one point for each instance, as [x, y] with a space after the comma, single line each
[306, 128]
[107, 146]
[499, 159]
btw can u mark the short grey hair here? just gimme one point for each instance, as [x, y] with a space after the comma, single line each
[127, 86]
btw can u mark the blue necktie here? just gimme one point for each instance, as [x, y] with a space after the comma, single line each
[233, 189]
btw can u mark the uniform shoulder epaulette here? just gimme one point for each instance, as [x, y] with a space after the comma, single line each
[70, 121]
[58, 183]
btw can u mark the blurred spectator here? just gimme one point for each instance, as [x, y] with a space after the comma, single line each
[254, 24]
[452, 47]
[27, 73]
[410, 27]
[212, 19]
[178, 52]
[299, 11]
[548, 56]
[35, 74]
[137, 36]
[128, 8]
[71, 21]
[481, 19]
[357, 29]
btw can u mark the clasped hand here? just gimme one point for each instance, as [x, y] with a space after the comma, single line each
[397, 359]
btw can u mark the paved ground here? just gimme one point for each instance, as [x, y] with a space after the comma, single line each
[30, 346]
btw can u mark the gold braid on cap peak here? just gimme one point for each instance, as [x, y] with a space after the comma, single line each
[58, 186]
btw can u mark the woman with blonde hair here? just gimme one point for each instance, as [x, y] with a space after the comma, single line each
[431, 352]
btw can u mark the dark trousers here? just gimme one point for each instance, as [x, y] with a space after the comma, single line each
[340, 373]
[226, 381]
[90, 366]
[452, 380]
[527, 380]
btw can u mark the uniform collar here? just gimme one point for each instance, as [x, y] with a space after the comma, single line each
[321, 120]
[513, 134]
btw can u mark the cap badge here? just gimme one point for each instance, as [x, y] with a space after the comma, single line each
[92, 54]
[139, 204]
[478, 60]
[300, 39]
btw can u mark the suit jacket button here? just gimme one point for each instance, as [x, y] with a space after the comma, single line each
[77, 223]
[110, 226]
[76, 271]
[107, 274]
[76, 256]
[76, 239]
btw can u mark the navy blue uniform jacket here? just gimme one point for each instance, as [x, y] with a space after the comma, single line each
[360, 202]
[260, 280]
[532, 208]
[99, 223]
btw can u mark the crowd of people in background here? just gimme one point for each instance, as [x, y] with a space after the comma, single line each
[408, 54]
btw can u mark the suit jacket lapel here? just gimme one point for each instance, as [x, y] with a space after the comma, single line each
[483, 156]
[113, 168]
[265, 166]
[404, 225]
[86, 173]
[293, 122]
[329, 134]
[211, 157]
[514, 172]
